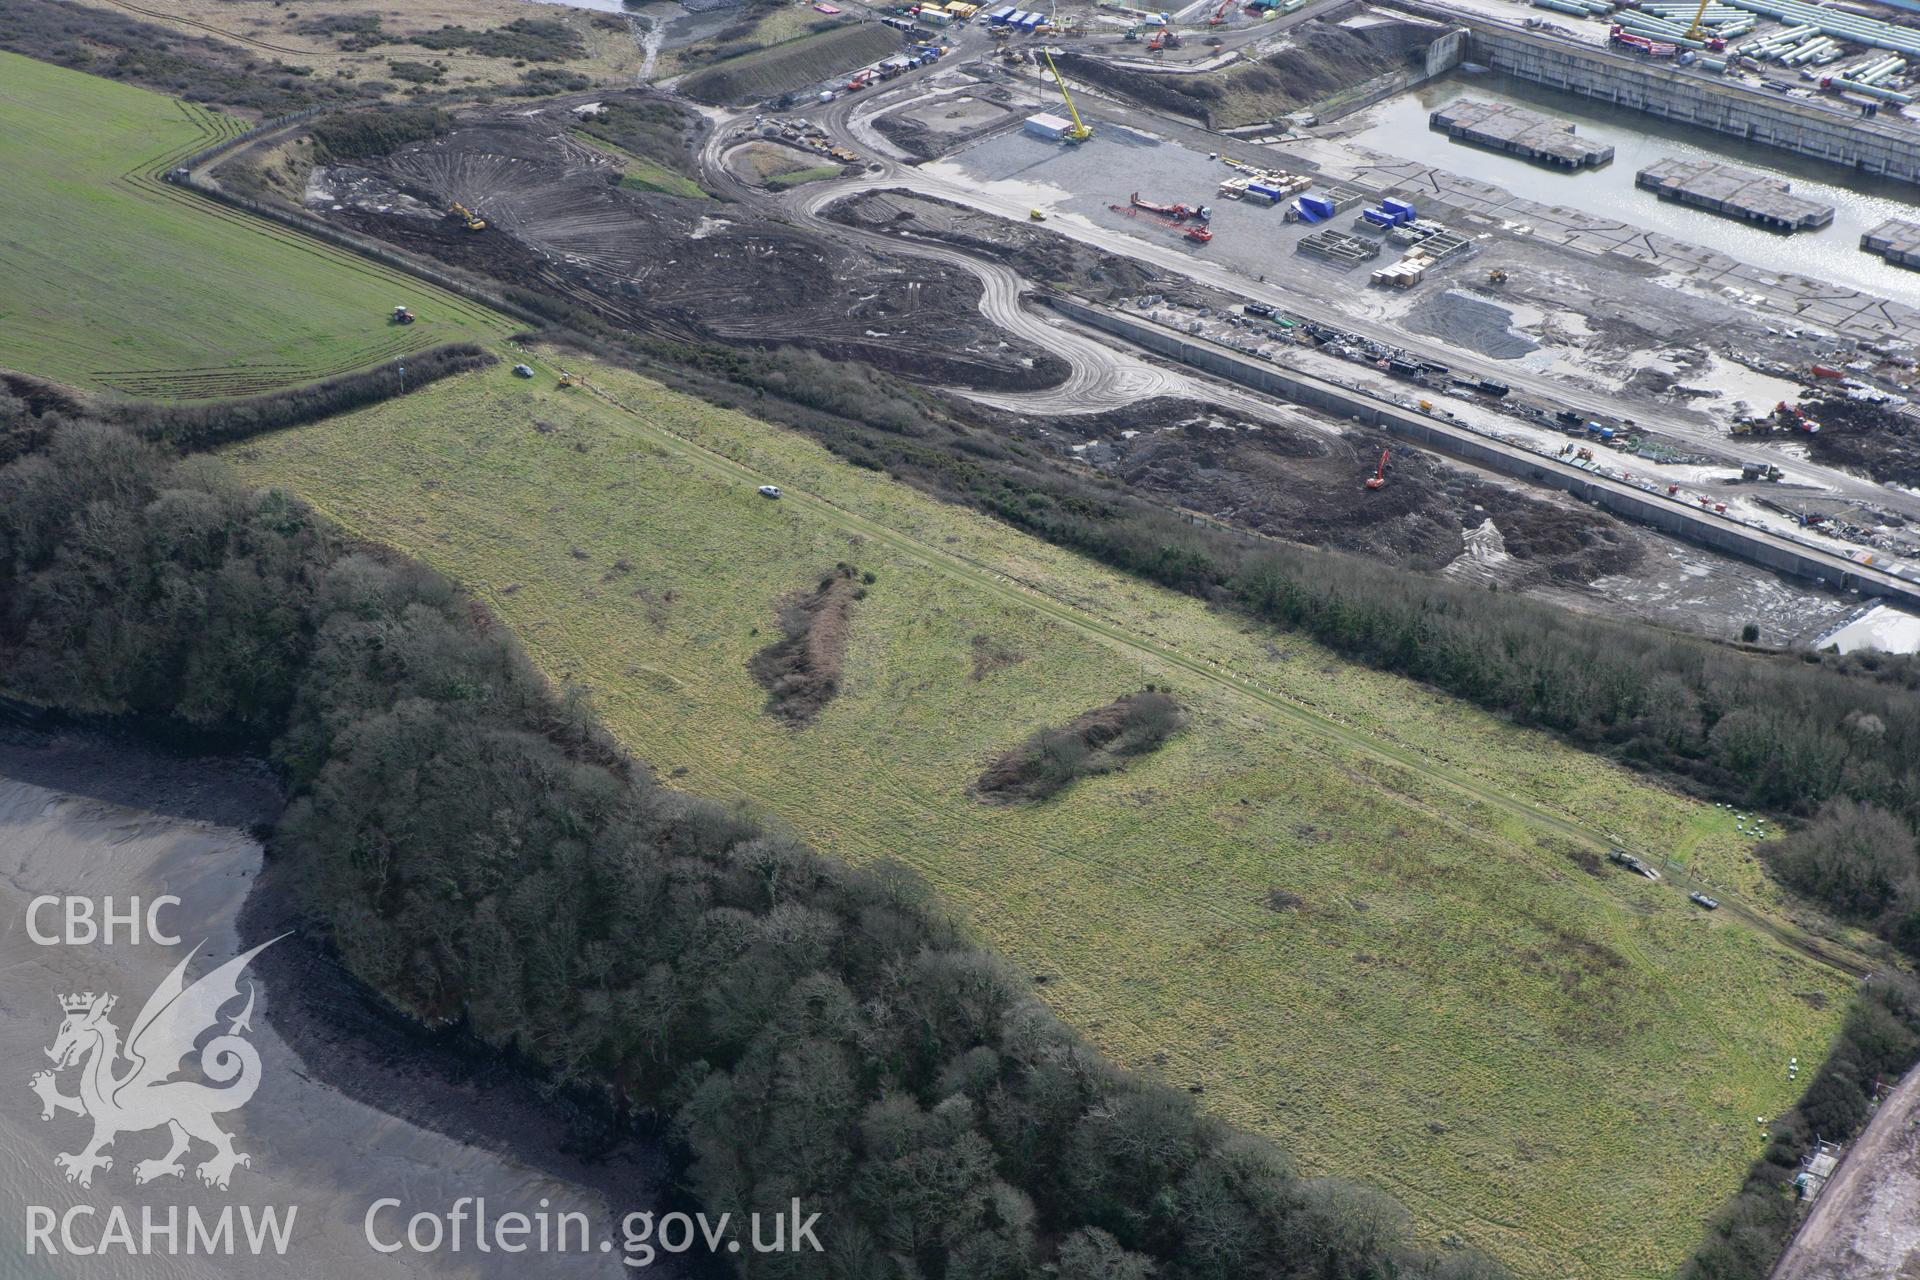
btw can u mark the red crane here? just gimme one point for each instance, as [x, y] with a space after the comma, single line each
[1177, 212]
[1194, 231]
[1378, 480]
[1220, 14]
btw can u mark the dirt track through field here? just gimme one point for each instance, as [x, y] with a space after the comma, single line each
[221, 33]
[1867, 1221]
[1306, 718]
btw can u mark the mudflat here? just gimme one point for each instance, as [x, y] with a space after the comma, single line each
[352, 1105]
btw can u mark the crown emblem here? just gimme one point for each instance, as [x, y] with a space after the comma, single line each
[180, 1019]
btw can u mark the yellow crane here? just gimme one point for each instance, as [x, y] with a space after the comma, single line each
[1695, 30]
[1081, 130]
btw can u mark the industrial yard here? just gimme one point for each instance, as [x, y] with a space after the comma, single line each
[1052, 338]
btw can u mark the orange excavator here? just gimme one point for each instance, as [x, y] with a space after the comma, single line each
[1378, 480]
[1220, 14]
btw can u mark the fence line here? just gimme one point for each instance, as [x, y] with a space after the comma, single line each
[353, 242]
[205, 154]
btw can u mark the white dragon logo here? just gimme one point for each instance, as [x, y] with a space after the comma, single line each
[145, 1096]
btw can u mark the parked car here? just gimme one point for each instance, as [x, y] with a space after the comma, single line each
[1701, 899]
[769, 490]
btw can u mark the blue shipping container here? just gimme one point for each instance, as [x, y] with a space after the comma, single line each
[1265, 192]
[1402, 211]
[1307, 212]
[1378, 217]
[1319, 204]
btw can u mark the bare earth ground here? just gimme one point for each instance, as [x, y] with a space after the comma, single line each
[1866, 1225]
[662, 264]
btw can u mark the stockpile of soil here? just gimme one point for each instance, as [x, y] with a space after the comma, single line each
[1035, 254]
[926, 130]
[911, 136]
[794, 65]
[1470, 322]
[1320, 59]
[559, 223]
[1872, 438]
[1308, 487]
[801, 670]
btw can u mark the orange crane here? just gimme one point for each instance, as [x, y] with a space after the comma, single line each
[1220, 14]
[1378, 480]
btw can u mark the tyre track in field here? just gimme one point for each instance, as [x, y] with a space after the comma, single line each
[1231, 1090]
[145, 182]
[1320, 724]
[232, 37]
[1026, 595]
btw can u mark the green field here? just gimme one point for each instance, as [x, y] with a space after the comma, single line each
[1559, 1065]
[118, 282]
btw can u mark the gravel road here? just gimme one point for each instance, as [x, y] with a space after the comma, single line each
[1866, 1224]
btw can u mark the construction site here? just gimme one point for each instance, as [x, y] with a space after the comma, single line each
[912, 211]
[1474, 427]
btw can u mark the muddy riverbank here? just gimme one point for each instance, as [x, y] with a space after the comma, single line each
[354, 1103]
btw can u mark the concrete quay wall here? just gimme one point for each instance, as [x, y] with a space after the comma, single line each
[1830, 131]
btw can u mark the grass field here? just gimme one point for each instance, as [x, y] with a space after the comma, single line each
[116, 281]
[1560, 1066]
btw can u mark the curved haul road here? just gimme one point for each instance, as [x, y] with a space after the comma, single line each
[849, 119]
[1104, 376]
[1101, 375]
